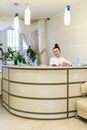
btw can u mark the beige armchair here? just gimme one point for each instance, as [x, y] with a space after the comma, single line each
[81, 104]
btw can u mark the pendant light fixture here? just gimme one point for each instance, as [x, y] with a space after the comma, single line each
[67, 15]
[16, 19]
[27, 15]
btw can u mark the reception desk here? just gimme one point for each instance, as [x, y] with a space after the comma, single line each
[42, 92]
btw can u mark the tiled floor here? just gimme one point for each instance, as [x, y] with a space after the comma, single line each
[11, 122]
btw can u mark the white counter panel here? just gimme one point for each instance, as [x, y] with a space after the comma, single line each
[38, 76]
[38, 91]
[72, 104]
[5, 85]
[78, 75]
[74, 90]
[38, 106]
[5, 98]
[5, 73]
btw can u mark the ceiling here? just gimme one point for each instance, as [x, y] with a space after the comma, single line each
[40, 9]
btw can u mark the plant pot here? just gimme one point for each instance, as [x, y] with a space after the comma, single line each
[10, 62]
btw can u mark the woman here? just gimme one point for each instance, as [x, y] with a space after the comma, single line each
[57, 60]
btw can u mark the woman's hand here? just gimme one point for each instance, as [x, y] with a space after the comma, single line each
[64, 64]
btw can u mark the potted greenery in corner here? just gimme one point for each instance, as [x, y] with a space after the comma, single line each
[32, 55]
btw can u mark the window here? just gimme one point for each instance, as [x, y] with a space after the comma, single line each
[15, 41]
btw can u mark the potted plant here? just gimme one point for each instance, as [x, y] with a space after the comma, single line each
[19, 59]
[9, 56]
[31, 54]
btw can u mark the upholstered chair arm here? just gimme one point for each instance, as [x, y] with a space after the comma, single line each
[84, 88]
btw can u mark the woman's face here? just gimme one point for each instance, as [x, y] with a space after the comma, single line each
[56, 52]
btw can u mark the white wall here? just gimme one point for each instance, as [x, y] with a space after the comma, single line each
[73, 38]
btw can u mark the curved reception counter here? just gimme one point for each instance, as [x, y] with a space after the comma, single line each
[42, 92]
